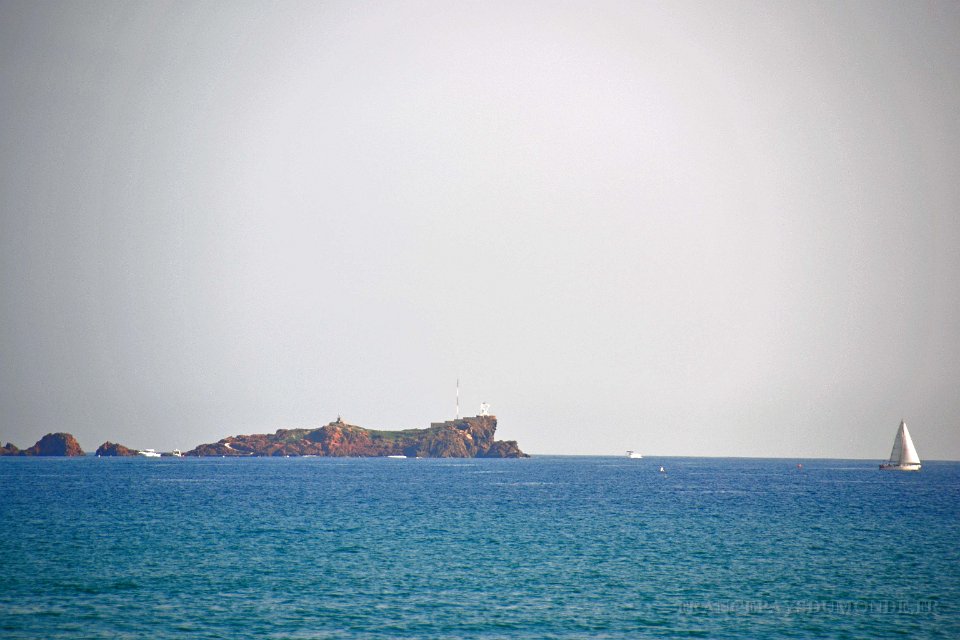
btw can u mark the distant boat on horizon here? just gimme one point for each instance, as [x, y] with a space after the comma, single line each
[904, 456]
[633, 454]
[149, 453]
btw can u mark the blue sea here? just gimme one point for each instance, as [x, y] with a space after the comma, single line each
[550, 547]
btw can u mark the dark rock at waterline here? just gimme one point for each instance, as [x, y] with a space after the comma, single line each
[502, 449]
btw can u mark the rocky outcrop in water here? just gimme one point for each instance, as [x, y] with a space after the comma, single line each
[463, 438]
[52, 444]
[113, 449]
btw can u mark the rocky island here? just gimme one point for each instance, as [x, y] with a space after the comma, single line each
[52, 444]
[461, 438]
[113, 449]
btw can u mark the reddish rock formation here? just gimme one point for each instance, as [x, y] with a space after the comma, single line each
[463, 438]
[113, 449]
[52, 444]
[501, 449]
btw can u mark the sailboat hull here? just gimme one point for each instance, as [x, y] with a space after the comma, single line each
[900, 467]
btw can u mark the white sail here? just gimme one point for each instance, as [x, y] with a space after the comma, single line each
[897, 452]
[908, 453]
[903, 456]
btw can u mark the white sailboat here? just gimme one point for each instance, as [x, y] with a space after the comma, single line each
[904, 456]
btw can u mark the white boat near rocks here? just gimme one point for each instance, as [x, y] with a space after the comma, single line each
[904, 456]
[149, 453]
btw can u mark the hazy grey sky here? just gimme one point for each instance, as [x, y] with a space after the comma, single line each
[685, 228]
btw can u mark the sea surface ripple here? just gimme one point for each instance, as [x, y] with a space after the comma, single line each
[550, 547]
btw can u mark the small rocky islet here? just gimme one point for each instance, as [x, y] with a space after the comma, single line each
[471, 437]
[113, 449]
[52, 444]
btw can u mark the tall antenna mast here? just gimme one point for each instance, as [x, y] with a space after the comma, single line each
[458, 398]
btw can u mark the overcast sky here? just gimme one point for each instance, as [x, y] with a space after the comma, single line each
[689, 229]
